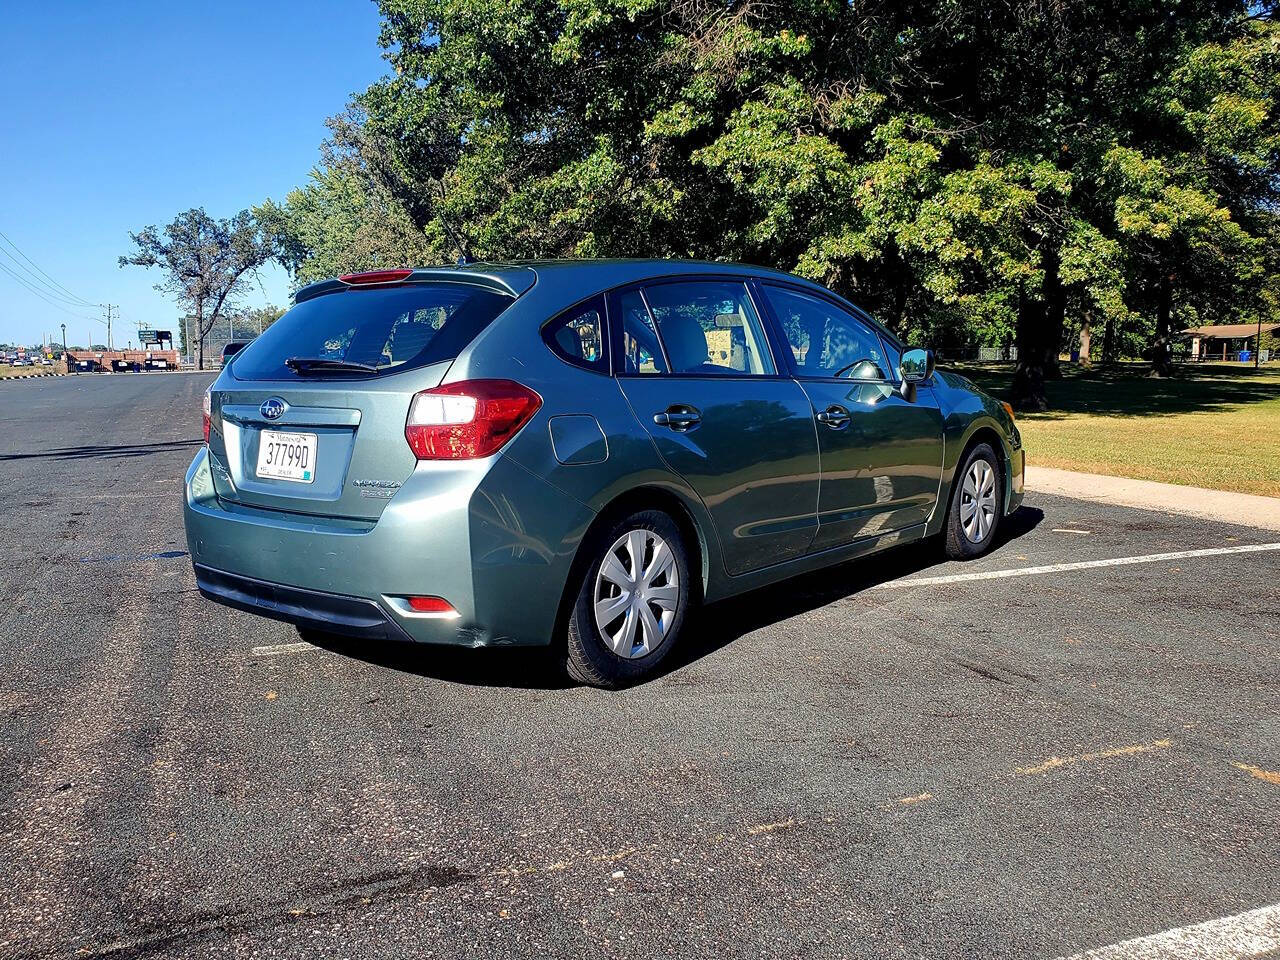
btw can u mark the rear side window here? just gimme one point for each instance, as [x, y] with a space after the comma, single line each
[709, 327]
[641, 351]
[390, 329]
[577, 336]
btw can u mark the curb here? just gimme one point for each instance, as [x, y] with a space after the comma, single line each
[1224, 506]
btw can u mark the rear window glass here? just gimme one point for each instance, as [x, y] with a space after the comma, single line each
[390, 329]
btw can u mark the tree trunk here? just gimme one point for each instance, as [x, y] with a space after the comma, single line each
[1162, 350]
[1039, 338]
[1028, 373]
[1055, 316]
[1086, 336]
[1109, 340]
[200, 334]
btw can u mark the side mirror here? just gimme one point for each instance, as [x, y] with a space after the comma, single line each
[233, 347]
[917, 365]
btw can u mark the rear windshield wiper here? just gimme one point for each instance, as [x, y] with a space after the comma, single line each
[308, 365]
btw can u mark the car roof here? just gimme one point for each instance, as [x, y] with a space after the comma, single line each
[515, 277]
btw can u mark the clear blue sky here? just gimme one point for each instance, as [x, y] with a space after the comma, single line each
[121, 115]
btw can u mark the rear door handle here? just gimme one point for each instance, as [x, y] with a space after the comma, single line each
[835, 416]
[679, 417]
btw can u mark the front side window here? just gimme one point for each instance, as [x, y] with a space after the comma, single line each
[825, 340]
[577, 336]
[710, 328]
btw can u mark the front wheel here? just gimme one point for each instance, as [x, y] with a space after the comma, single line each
[977, 504]
[631, 603]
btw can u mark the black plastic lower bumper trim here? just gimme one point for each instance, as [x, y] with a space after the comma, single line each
[313, 609]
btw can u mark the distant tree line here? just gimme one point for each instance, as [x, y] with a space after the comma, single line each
[1003, 172]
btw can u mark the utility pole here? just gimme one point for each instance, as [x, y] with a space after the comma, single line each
[109, 307]
[1257, 344]
[66, 360]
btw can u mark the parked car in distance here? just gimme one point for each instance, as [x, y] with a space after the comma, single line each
[575, 453]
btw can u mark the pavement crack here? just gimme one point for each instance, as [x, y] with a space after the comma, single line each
[983, 672]
[202, 926]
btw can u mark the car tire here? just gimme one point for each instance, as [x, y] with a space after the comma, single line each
[977, 504]
[615, 637]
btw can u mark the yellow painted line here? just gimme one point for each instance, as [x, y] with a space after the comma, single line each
[1054, 763]
[1270, 776]
[770, 827]
[918, 798]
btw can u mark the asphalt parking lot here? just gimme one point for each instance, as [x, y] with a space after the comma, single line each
[894, 758]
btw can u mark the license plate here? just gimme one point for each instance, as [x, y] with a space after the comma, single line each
[287, 456]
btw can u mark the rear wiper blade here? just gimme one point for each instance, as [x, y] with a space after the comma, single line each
[305, 365]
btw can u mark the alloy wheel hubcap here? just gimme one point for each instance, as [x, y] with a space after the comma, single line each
[978, 501]
[636, 594]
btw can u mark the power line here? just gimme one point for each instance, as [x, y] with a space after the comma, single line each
[41, 294]
[36, 282]
[73, 296]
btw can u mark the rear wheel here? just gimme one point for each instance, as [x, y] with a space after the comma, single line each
[631, 603]
[977, 504]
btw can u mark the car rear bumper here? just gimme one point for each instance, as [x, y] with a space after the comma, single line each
[493, 540]
[331, 612]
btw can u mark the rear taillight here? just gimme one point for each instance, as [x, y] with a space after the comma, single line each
[208, 412]
[470, 419]
[436, 605]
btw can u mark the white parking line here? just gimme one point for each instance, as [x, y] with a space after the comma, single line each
[280, 648]
[1251, 934]
[1080, 565]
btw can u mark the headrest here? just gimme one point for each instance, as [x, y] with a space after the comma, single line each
[686, 343]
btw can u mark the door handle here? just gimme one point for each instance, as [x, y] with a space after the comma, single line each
[679, 417]
[835, 416]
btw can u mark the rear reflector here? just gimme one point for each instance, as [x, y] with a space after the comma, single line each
[431, 605]
[376, 276]
[469, 419]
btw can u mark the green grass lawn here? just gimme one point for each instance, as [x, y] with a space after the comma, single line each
[1216, 425]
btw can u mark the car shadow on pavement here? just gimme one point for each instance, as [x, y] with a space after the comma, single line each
[534, 668]
[719, 624]
[101, 452]
[710, 629]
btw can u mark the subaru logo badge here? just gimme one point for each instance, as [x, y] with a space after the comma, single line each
[273, 408]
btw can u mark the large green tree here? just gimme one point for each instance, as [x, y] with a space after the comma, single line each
[996, 172]
[205, 263]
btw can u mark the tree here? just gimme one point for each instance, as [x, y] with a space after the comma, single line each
[342, 222]
[971, 172]
[206, 262]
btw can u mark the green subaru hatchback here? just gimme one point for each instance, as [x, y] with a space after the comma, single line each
[575, 453]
